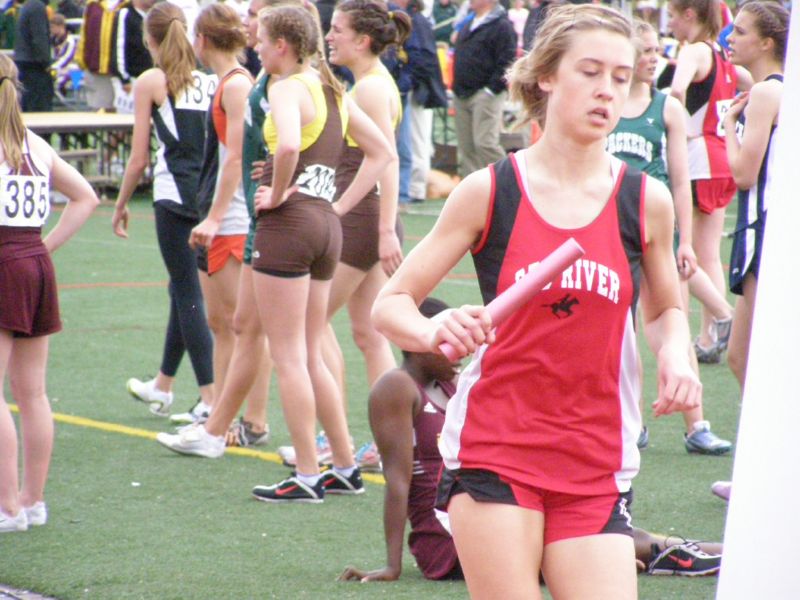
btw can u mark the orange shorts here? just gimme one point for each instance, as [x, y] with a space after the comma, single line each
[222, 247]
[710, 194]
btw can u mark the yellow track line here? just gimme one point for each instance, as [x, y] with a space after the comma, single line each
[151, 435]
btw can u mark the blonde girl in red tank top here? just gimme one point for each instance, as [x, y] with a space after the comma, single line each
[574, 82]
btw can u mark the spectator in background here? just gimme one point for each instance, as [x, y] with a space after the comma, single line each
[132, 57]
[64, 46]
[95, 50]
[536, 16]
[8, 22]
[518, 15]
[485, 47]
[444, 15]
[70, 9]
[427, 92]
[32, 55]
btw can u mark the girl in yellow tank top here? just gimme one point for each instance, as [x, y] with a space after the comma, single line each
[360, 31]
[303, 130]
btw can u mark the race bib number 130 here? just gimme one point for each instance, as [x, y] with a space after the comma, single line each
[24, 201]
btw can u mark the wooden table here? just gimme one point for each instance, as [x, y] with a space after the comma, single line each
[109, 134]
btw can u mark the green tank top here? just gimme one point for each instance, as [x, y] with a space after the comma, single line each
[642, 141]
[253, 147]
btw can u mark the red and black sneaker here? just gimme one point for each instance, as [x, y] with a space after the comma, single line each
[684, 559]
[290, 490]
[336, 483]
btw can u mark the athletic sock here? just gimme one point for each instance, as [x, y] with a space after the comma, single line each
[345, 471]
[309, 480]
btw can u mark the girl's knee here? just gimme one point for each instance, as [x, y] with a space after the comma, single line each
[366, 337]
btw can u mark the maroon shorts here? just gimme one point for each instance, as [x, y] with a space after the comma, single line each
[565, 515]
[28, 296]
[300, 237]
[710, 194]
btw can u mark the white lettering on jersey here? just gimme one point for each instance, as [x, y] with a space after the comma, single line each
[584, 275]
[198, 95]
[24, 200]
[625, 142]
[521, 273]
[317, 181]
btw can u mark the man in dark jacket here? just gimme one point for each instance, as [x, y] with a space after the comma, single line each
[485, 47]
[132, 57]
[427, 92]
[419, 78]
[32, 55]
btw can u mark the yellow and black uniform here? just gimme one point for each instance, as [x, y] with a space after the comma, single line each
[303, 234]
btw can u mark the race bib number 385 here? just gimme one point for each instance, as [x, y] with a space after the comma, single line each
[24, 201]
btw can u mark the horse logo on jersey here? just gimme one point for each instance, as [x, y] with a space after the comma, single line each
[563, 305]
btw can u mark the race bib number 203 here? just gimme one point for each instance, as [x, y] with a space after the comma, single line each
[24, 200]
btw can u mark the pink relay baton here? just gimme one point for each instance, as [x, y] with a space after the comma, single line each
[526, 288]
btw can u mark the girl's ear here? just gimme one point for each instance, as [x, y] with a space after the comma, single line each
[768, 45]
[546, 83]
[363, 41]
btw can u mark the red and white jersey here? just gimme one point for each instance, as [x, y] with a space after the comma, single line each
[553, 403]
[707, 102]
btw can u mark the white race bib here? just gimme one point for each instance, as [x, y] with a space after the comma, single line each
[317, 181]
[722, 109]
[198, 95]
[24, 200]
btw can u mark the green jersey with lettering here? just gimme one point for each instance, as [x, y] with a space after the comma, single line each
[254, 147]
[642, 141]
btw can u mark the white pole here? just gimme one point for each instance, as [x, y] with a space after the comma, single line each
[763, 523]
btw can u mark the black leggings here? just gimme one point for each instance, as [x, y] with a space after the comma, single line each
[187, 328]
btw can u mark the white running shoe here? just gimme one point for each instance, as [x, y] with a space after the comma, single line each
[199, 413]
[36, 514]
[10, 524]
[323, 447]
[145, 391]
[195, 441]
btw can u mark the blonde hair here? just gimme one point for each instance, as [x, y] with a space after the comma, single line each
[166, 24]
[222, 26]
[553, 40]
[12, 130]
[298, 25]
[708, 15]
[641, 27]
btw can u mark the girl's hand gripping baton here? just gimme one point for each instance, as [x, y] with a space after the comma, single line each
[526, 288]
